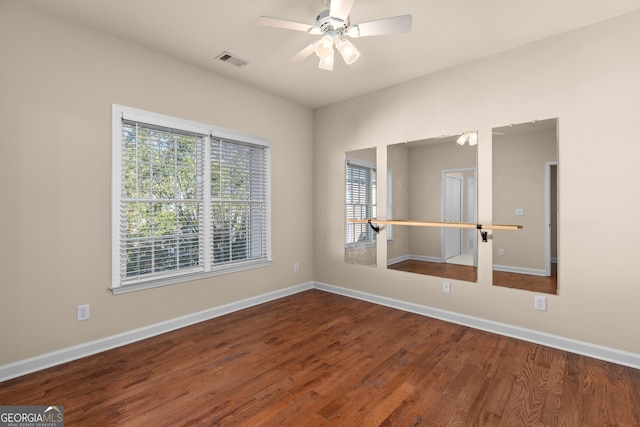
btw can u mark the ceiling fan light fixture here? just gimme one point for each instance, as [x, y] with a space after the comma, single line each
[348, 51]
[324, 48]
[326, 62]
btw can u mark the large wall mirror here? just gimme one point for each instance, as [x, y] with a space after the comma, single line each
[525, 191]
[360, 203]
[433, 180]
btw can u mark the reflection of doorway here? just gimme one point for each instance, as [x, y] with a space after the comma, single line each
[458, 201]
[452, 213]
[550, 215]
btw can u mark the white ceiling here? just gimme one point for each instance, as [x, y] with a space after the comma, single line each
[445, 33]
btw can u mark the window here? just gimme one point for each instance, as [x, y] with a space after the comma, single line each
[189, 200]
[360, 203]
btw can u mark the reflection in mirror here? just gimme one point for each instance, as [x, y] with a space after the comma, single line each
[433, 180]
[525, 170]
[360, 197]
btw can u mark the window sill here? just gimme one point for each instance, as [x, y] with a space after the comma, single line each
[359, 246]
[166, 281]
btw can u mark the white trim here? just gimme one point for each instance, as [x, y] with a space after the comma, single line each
[519, 270]
[152, 118]
[182, 278]
[547, 214]
[464, 212]
[207, 131]
[607, 354]
[398, 259]
[414, 258]
[37, 363]
[358, 162]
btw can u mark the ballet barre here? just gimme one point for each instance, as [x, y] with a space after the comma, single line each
[415, 223]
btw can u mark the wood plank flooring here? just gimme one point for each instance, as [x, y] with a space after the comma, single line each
[319, 359]
[527, 282]
[438, 269]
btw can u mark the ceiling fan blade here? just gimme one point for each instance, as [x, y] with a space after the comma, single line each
[288, 25]
[340, 9]
[304, 53]
[395, 25]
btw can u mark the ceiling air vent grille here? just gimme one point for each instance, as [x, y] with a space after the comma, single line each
[232, 59]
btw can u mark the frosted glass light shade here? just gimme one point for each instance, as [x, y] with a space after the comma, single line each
[326, 63]
[348, 51]
[324, 47]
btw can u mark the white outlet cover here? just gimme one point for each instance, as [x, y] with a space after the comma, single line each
[83, 312]
[446, 287]
[540, 303]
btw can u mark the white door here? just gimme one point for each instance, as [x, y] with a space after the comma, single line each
[452, 213]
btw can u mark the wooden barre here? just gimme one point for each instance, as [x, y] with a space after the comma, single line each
[438, 224]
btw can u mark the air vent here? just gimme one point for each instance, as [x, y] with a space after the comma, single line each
[232, 59]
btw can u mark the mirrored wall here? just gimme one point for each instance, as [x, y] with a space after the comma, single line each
[433, 180]
[525, 191]
[360, 203]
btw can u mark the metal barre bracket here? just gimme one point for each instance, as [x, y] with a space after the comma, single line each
[484, 234]
[376, 228]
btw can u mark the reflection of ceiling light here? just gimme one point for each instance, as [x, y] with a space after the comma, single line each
[471, 137]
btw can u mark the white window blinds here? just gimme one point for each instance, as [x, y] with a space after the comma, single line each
[238, 201]
[360, 202]
[190, 200]
[162, 201]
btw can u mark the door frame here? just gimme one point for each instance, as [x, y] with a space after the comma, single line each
[547, 213]
[474, 236]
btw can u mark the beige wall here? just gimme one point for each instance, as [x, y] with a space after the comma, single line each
[587, 78]
[57, 84]
[398, 164]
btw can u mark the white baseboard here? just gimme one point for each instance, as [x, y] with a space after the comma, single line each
[414, 258]
[519, 270]
[574, 346]
[397, 260]
[37, 363]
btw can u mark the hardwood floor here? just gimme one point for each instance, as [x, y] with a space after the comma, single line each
[449, 271]
[319, 359]
[527, 282]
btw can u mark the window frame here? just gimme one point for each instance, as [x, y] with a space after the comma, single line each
[120, 113]
[372, 207]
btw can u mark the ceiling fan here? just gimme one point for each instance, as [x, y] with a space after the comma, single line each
[334, 25]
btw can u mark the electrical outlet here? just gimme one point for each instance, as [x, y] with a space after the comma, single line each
[500, 252]
[296, 267]
[446, 287]
[83, 312]
[540, 303]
